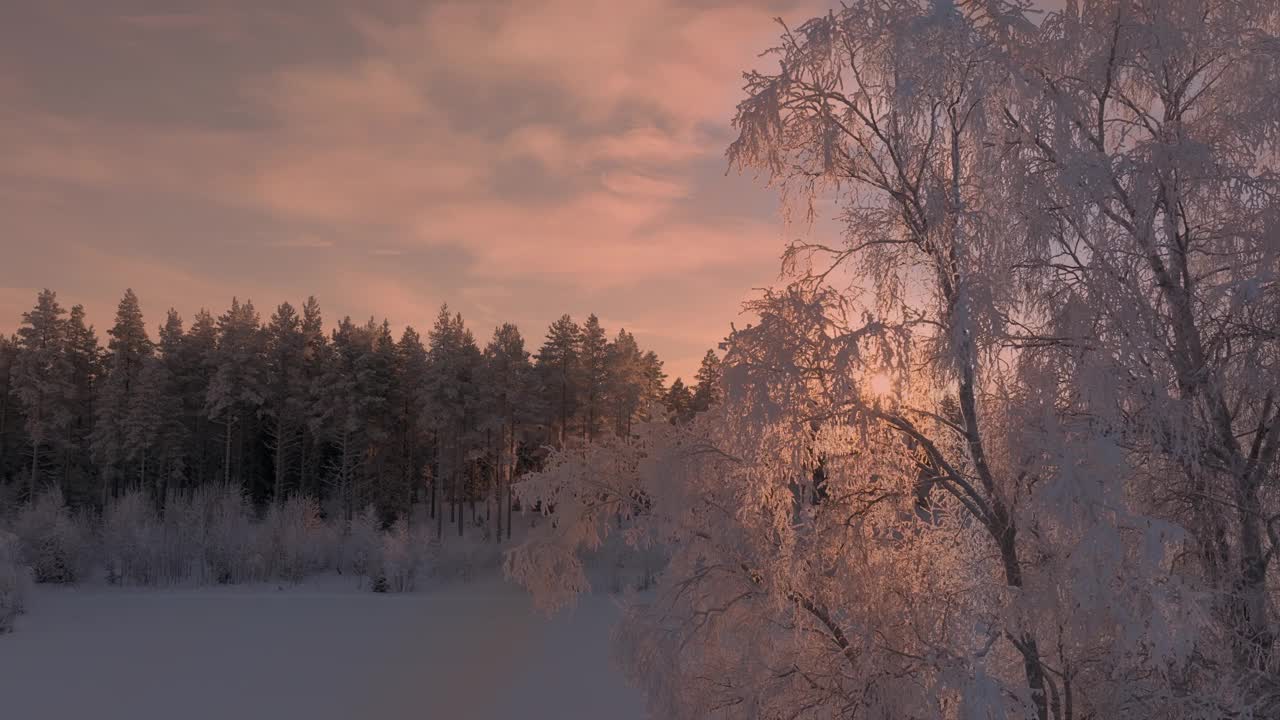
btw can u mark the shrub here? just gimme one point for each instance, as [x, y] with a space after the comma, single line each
[232, 553]
[402, 553]
[133, 542]
[14, 577]
[296, 541]
[362, 546]
[50, 541]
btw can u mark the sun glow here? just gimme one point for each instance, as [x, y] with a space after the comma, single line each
[879, 384]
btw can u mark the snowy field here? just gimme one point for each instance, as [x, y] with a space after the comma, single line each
[320, 651]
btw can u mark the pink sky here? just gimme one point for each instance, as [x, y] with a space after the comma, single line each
[517, 159]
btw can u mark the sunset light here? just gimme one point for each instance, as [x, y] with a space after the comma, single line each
[879, 384]
[642, 360]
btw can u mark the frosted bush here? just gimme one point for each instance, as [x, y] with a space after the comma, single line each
[184, 525]
[362, 546]
[402, 553]
[296, 541]
[231, 551]
[133, 542]
[14, 577]
[50, 541]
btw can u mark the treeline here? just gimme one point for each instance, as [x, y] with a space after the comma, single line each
[353, 418]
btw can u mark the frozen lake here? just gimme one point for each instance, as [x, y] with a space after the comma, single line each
[321, 651]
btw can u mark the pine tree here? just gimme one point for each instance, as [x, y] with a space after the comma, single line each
[237, 386]
[376, 379]
[453, 404]
[127, 352]
[706, 392]
[559, 369]
[188, 357]
[285, 393]
[411, 368]
[154, 432]
[593, 354]
[316, 357]
[43, 380]
[626, 381]
[510, 387]
[336, 412]
[654, 384]
[8, 414]
[84, 356]
[679, 401]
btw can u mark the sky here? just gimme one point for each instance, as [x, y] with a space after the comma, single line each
[516, 159]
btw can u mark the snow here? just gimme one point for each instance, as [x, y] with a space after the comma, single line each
[317, 651]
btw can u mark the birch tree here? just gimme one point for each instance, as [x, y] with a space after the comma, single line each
[1034, 380]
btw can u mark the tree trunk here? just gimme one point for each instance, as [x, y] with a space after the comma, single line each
[226, 452]
[437, 513]
[457, 490]
[35, 468]
[497, 480]
[302, 469]
[510, 470]
[278, 492]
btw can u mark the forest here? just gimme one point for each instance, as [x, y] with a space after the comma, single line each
[353, 417]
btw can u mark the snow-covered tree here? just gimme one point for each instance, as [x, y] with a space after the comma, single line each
[1007, 449]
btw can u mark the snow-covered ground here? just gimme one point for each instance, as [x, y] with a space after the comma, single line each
[323, 650]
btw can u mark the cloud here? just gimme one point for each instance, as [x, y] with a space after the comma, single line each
[168, 21]
[301, 243]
